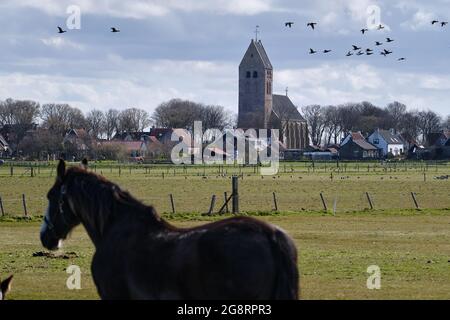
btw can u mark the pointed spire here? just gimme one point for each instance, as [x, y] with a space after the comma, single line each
[256, 33]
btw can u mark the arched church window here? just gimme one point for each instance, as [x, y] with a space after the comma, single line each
[255, 74]
[248, 74]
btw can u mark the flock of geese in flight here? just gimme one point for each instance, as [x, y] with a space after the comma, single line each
[359, 51]
[355, 50]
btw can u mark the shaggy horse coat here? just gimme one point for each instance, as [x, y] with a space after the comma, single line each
[141, 256]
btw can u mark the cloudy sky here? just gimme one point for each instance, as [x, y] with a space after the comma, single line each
[191, 49]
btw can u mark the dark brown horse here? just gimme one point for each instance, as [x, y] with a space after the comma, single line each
[141, 256]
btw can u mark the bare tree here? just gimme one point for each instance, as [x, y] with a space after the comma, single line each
[134, 120]
[446, 124]
[95, 121]
[18, 112]
[215, 117]
[429, 122]
[177, 113]
[348, 117]
[316, 122]
[59, 118]
[410, 125]
[395, 113]
[111, 123]
[332, 120]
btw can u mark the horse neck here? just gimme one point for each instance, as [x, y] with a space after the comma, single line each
[103, 204]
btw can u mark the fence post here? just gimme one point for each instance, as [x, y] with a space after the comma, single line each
[275, 203]
[415, 200]
[213, 203]
[370, 200]
[323, 202]
[24, 202]
[1, 207]
[235, 194]
[12, 170]
[172, 203]
[226, 202]
[32, 172]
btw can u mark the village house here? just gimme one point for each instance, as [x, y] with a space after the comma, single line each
[4, 147]
[438, 146]
[388, 142]
[76, 144]
[355, 147]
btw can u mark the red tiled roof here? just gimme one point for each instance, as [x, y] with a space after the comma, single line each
[357, 136]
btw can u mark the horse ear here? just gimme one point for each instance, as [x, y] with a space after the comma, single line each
[84, 163]
[61, 169]
[5, 286]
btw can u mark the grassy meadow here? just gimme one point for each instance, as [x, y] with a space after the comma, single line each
[412, 247]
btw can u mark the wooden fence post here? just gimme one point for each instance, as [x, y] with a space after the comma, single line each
[213, 203]
[172, 203]
[413, 195]
[370, 200]
[1, 207]
[275, 203]
[323, 202]
[24, 202]
[235, 194]
[227, 210]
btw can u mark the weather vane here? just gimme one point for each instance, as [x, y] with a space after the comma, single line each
[287, 91]
[256, 33]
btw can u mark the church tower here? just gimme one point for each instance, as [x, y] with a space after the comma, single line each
[255, 88]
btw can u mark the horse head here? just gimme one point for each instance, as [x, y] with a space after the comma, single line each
[5, 287]
[59, 219]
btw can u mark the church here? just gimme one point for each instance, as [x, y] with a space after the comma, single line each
[259, 108]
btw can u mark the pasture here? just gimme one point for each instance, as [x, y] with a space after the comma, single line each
[412, 250]
[412, 247]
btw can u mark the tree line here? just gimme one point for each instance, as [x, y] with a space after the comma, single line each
[328, 124]
[50, 122]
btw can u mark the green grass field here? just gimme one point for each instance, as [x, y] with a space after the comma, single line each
[412, 247]
[412, 250]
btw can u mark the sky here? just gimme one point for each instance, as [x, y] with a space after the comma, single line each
[191, 49]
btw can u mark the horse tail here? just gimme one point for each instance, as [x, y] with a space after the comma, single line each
[287, 275]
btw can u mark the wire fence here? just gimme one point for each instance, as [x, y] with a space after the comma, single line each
[261, 202]
[42, 169]
[299, 186]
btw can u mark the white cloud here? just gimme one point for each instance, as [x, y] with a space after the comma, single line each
[341, 82]
[58, 42]
[421, 20]
[143, 83]
[140, 9]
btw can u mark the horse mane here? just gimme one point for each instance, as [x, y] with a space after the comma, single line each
[102, 201]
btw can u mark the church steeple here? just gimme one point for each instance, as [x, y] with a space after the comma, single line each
[255, 87]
